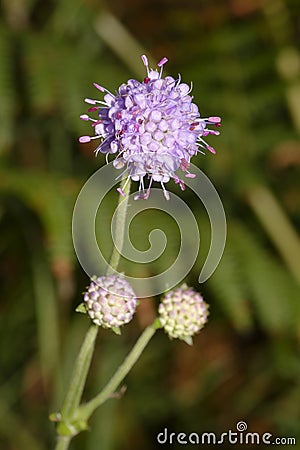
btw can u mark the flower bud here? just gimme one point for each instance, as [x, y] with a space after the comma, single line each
[183, 313]
[110, 301]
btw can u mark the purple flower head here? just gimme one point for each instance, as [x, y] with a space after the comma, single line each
[110, 301]
[153, 127]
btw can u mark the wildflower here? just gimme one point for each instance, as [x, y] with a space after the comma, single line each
[110, 301]
[152, 127]
[183, 313]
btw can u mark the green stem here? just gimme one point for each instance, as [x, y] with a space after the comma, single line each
[120, 227]
[63, 442]
[79, 375]
[86, 410]
[68, 426]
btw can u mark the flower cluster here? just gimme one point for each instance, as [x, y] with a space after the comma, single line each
[152, 127]
[110, 301]
[183, 313]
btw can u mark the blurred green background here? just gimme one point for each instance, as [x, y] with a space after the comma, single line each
[243, 58]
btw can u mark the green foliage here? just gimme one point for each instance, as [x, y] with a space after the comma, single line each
[252, 285]
[7, 91]
[245, 364]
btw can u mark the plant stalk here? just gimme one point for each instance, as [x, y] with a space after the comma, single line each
[120, 227]
[68, 425]
[86, 410]
[63, 442]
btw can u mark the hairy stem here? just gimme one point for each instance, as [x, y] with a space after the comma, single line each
[80, 372]
[120, 227]
[107, 392]
[63, 442]
[70, 423]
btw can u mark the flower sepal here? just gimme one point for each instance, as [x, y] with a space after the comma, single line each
[187, 339]
[81, 308]
[116, 330]
[157, 325]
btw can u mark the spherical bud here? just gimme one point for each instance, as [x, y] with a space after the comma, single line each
[183, 313]
[110, 301]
